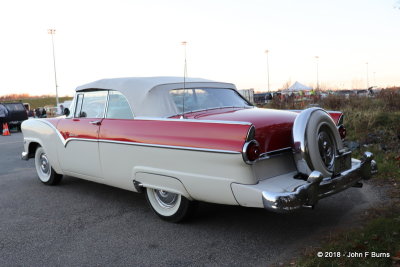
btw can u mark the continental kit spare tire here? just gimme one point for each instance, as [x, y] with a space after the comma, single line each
[316, 142]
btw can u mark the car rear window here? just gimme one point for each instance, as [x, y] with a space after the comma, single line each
[206, 98]
[15, 107]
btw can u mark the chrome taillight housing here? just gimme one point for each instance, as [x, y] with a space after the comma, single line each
[251, 149]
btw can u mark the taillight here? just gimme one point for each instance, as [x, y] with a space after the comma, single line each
[251, 151]
[342, 131]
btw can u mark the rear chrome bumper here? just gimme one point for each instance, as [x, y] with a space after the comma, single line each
[285, 194]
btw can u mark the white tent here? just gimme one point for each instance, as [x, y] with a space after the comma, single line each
[299, 87]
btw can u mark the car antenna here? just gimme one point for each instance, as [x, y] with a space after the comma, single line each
[184, 82]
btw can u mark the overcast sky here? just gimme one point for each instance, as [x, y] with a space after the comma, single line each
[226, 41]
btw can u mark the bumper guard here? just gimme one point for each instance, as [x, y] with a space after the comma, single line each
[317, 187]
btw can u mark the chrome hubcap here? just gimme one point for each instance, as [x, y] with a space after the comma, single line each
[44, 164]
[326, 149]
[165, 199]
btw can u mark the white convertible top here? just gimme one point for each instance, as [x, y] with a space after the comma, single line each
[149, 96]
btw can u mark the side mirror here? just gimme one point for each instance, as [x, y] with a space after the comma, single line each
[66, 112]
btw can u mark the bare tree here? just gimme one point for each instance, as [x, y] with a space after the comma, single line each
[287, 84]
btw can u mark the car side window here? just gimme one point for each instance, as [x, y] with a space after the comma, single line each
[91, 104]
[118, 106]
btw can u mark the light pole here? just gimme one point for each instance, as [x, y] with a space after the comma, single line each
[374, 79]
[52, 32]
[266, 52]
[184, 43]
[367, 75]
[317, 59]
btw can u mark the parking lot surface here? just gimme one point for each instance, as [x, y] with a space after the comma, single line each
[83, 223]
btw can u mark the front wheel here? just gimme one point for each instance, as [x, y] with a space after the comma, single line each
[170, 206]
[45, 172]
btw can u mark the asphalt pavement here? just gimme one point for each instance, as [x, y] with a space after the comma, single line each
[80, 223]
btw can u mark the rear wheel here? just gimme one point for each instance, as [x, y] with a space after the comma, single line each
[170, 206]
[45, 172]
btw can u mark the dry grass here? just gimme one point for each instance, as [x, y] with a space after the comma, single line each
[374, 123]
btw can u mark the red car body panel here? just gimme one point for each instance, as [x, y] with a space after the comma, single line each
[230, 137]
[335, 115]
[273, 129]
[78, 128]
[175, 133]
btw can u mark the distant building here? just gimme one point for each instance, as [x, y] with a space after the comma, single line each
[248, 94]
[262, 98]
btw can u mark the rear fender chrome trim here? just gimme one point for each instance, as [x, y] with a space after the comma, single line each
[170, 147]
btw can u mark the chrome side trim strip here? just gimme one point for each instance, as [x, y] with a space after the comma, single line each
[65, 142]
[170, 147]
[275, 153]
[152, 145]
[192, 120]
[79, 139]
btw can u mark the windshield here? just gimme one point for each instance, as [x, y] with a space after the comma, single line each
[207, 98]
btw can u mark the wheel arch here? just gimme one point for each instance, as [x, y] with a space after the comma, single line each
[160, 182]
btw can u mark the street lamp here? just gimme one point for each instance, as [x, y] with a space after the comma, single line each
[266, 52]
[52, 32]
[367, 75]
[317, 59]
[184, 43]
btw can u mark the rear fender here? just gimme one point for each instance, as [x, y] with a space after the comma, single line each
[43, 133]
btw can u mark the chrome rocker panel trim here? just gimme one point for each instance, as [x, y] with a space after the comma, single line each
[307, 195]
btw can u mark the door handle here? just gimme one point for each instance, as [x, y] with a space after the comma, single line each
[95, 122]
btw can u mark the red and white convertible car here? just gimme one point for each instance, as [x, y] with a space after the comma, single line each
[194, 140]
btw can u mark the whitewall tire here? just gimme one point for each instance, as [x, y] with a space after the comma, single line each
[45, 172]
[324, 142]
[169, 206]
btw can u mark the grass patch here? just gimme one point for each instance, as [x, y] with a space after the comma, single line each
[44, 101]
[38, 102]
[374, 125]
[377, 244]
